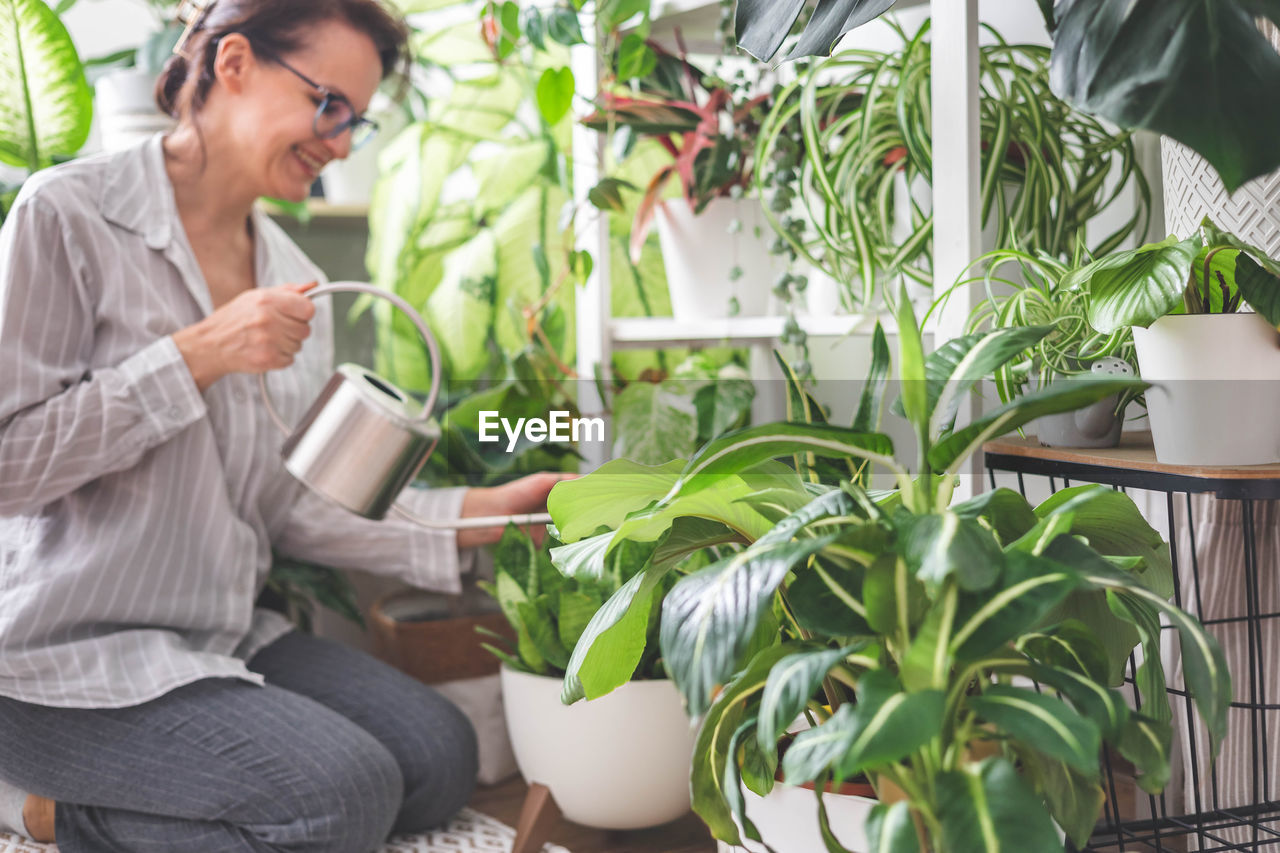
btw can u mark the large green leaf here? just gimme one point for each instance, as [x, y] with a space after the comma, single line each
[959, 364]
[942, 545]
[1114, 527]
[832, 19]
[1194, 70]
[911, 369]
[653, 424]
[712, 752]
[710, 617]
[1204, 666]
[606, 496]
[1074, 798]
[890, 829]
[1138, 286]
[790, 686]
[1029, 588]
[612, 643]
[949, 453]
[989, 808]
[1043, 722]
[45, 102]
[1146, 742]
[884, 725]
[1008, 512]
[1259, 284]
[867, 416]
[463, 303]
[748, 447]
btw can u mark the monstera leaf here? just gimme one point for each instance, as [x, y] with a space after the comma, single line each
[45, 102]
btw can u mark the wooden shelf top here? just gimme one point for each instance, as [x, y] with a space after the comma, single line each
[1135, 454]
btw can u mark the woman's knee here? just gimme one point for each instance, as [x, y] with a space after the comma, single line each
[343, 801]
[440, 775]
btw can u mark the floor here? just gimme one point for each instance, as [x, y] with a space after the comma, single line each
[686, 835]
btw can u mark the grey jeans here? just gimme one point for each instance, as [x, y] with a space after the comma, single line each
[335, 753]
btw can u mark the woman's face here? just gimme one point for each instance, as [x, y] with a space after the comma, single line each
[273, 116]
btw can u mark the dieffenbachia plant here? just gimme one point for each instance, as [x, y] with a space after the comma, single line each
[904, 628]
[1211, 272]
[45, 102]
[1194, 70]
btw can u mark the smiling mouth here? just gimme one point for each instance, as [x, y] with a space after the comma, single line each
[311, 164]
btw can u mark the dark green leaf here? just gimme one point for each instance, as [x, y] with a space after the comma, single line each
[988, 808]
[790, 686]
[1074, 798]
[1041, 721]
[562, 27]
[1068, 396]
[884, 725]
[1008, 512]
[1194, 70]
[890, 829]
[710, 617]
[1136, 287]
[1030, 587]
[1146, 743]
[832, 19]
[867, 417]
[535, 29]
[942, 545]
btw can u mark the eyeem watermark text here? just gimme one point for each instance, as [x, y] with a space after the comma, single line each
[559, 427]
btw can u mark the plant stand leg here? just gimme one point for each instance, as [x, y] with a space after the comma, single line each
[538, 816]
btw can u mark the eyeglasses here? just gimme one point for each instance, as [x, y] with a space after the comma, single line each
[334, 113]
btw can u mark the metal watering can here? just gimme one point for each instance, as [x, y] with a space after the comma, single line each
[363, 439]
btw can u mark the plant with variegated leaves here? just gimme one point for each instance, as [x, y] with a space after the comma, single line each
[902, 628]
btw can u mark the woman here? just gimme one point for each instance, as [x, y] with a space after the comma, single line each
[145, 705]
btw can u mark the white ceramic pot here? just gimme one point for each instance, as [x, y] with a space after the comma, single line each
[788, 820]
[1218, 395]
[125, 107]
[698, 252]
[618, 762]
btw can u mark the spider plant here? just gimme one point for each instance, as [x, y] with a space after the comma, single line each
[862, 214]
[1025, 289]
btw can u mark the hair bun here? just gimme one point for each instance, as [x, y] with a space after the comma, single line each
[169, 84]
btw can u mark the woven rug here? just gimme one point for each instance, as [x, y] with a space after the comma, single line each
[469, 831]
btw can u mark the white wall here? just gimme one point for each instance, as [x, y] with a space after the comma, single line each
[100, 27]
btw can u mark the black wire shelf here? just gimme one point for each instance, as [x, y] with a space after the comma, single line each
[1223, 526]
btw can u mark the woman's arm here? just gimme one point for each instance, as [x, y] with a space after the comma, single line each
[318, 531]
[63, 425]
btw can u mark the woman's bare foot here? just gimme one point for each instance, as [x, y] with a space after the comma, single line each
[39, 814]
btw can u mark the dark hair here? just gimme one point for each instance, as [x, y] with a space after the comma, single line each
[274, 28]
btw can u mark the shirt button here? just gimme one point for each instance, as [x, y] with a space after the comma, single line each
[175, 412]
[240, 395]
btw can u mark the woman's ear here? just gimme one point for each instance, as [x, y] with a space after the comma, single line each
[233, 61]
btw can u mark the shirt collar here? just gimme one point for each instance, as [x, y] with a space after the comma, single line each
[138, 195]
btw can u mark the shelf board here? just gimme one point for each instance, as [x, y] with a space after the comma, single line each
[654, 332]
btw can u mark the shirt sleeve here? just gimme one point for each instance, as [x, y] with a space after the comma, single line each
[63, 424]
[319, 531]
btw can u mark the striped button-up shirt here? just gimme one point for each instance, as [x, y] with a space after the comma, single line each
[137, 515]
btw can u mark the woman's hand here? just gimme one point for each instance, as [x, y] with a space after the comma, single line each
[526, 495]
[259, 330]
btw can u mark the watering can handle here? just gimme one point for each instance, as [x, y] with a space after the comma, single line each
[433, 348]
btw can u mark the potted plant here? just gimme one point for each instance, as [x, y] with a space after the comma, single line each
[707, 126]
[902, 627]
[621, 762]
[853, 198]
[37, 52]
[1215, 363]
[1023, 289]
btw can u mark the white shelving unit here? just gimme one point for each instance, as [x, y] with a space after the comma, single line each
[956, 177]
